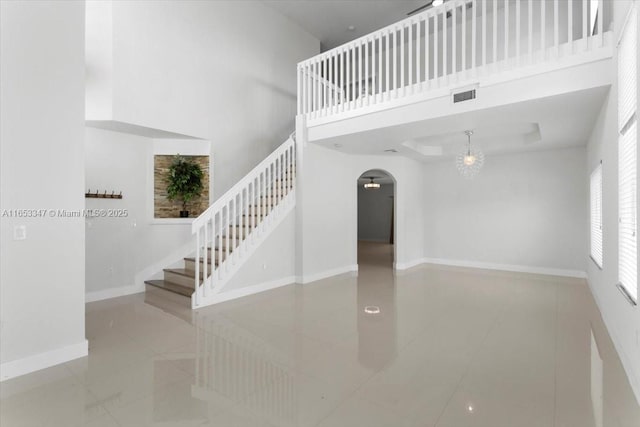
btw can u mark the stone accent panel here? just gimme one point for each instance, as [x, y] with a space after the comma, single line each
[164, 208]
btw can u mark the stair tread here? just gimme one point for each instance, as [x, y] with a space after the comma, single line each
[193, 259]
[182, 272]
[171, 287]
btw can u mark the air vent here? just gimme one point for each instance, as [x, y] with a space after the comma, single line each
[464, 96]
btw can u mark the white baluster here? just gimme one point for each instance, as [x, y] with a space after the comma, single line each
[474, 44]
[556, 29]
[227, 233]
[445, 48]
[354, 77]
[204, 263]
[600, 23]
[387, 74]
[530, 27]
[427, 51]
[299, 90]
[518, 35]
[436, 62]
[570, 27]
[196, 284]
[464, 39]
[495, 33]
[395, 63]
[220, 251]
[360, 97]
[454, 41]
[410, 35]
[418, 60]
[543, 29]
[506, 32]
[484, 33]
[366, 70]
[585, 24]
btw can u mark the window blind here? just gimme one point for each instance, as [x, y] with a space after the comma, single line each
[628, 156]
[628, 70]
[596, 215]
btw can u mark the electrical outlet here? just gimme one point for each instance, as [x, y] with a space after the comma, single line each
[20, 232]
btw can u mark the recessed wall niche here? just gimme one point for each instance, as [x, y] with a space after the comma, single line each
[165, 208]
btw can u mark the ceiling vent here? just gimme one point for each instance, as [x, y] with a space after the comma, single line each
[466, 95]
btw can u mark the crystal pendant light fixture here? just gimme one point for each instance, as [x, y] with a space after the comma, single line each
[470, 161]
[371, 185]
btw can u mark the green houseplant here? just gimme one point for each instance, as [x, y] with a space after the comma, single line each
[184, 182]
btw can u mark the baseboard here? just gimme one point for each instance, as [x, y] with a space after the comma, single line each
[627, 365]
[407, 265]
[326, 274]
[113, 293]
[250, 290]
[29, 364]
[507, 267]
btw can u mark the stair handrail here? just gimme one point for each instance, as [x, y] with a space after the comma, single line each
[241, 184]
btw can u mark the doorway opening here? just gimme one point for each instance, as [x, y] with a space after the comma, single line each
[376, 219]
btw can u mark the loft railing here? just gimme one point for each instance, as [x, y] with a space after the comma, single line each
[454, 43]
[231, 228]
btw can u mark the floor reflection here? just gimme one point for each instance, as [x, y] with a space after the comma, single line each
[377, 344]
[449, 347]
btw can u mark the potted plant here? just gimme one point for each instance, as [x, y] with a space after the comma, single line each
[184, 182]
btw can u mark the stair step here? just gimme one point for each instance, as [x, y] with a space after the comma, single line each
[171, 287]
[190, 263]
[181, 276]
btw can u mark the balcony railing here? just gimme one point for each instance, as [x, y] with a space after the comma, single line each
[458, 42]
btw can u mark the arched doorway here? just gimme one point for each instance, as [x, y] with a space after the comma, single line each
[376, 219]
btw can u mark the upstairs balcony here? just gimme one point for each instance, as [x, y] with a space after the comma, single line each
[453, 54]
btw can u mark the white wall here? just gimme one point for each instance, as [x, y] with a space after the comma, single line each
[622, 320]
[375, 210]
[525, 209]
[42, 115]
[328, 211]
[273, 262]
[123, 252]
[223, 71]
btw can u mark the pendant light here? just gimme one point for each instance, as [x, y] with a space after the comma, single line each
[371, 185]
[470, 161]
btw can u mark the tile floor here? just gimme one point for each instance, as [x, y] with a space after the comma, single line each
[449, 348]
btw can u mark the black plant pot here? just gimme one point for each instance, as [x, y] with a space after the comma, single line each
[184, 214]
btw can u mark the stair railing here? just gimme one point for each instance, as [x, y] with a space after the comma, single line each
[227, 231]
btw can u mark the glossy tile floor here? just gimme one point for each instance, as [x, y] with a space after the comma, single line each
[448, 348]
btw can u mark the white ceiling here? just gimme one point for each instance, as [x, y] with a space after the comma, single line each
[329, 20]
[547, 123]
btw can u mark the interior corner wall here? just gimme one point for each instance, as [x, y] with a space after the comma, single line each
[124, 250]
[526, 211]
[329, 210]
[42, 171]
[621, 318]
[222, 71]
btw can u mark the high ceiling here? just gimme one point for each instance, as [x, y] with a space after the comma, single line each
[335, 22]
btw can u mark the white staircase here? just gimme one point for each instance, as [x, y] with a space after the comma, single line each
[230, 230]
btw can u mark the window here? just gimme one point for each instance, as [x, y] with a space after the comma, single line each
[628, 157]
[596, 215]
